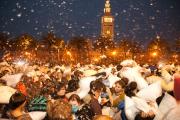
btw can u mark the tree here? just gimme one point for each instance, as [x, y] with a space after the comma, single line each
[4, 42]
[59, 46]
[135, 49]
[124, 47]
[177, 45]
[25, 42]
[81, 47]
[103, 44]
[49, 40]
[157, 49]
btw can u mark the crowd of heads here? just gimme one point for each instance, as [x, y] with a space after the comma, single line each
[55, 92]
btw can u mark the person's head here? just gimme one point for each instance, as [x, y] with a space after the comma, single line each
[96, 87]
[17, 100]
[119, 67]
[119, 86]
[78, 73]
[75, 101]
[59, 110]
[3, 82]
[73, 85]
[131, 89]
[61, 89]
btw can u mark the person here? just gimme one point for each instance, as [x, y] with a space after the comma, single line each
[75, 102]
[117, 99]
[118, 93]
[61, 92]
[59, 110]
[17, 104]
[174, 114]
[96, 88]
[131, 89]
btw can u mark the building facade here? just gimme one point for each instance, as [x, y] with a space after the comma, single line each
[107, 22]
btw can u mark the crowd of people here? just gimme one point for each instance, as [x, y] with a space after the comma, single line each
[126, 91]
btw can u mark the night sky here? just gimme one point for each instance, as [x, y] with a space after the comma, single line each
[139, 20]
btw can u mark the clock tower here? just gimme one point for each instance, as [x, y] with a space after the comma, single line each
[107, 22]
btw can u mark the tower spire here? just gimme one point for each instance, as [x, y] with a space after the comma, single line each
[107, 22]
[107, 9]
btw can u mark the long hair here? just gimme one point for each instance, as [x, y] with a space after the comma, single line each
[16, 100]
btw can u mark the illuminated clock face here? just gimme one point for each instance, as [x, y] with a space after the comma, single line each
[107, 19]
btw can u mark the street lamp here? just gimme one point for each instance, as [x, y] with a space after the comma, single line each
[154, 54]
[114, 53]
[68, 53]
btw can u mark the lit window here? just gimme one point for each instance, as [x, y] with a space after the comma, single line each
[107, 19]
[108, 32]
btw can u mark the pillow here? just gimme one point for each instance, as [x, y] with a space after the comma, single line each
[130, 108]
[12, 80]
[106, 111]
[5, 94]
[37, 115]
[153, 78]
[166, 76]
[141, 104]
[112, 79]
[167, 103]
[89, 72]
[130, 63]
[133, 74]
[151, 93]
[84, 85]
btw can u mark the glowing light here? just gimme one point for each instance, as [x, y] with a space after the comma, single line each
[103, 56]
[68, 53]
[154, 54]
[20, 63]
[114, 53]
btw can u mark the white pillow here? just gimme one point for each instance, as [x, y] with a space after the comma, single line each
[84, 85]
[112, 79]
[130, 108]
[153, 78]
[106, 111]
[151, 93]
[37, 115]
[167, 103]
[12, 80]
[141, 104]
[89, 72]
[129, 63]
[166, 76]
[133, 74]
[5, 94]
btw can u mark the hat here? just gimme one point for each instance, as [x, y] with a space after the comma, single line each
[177, 86]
